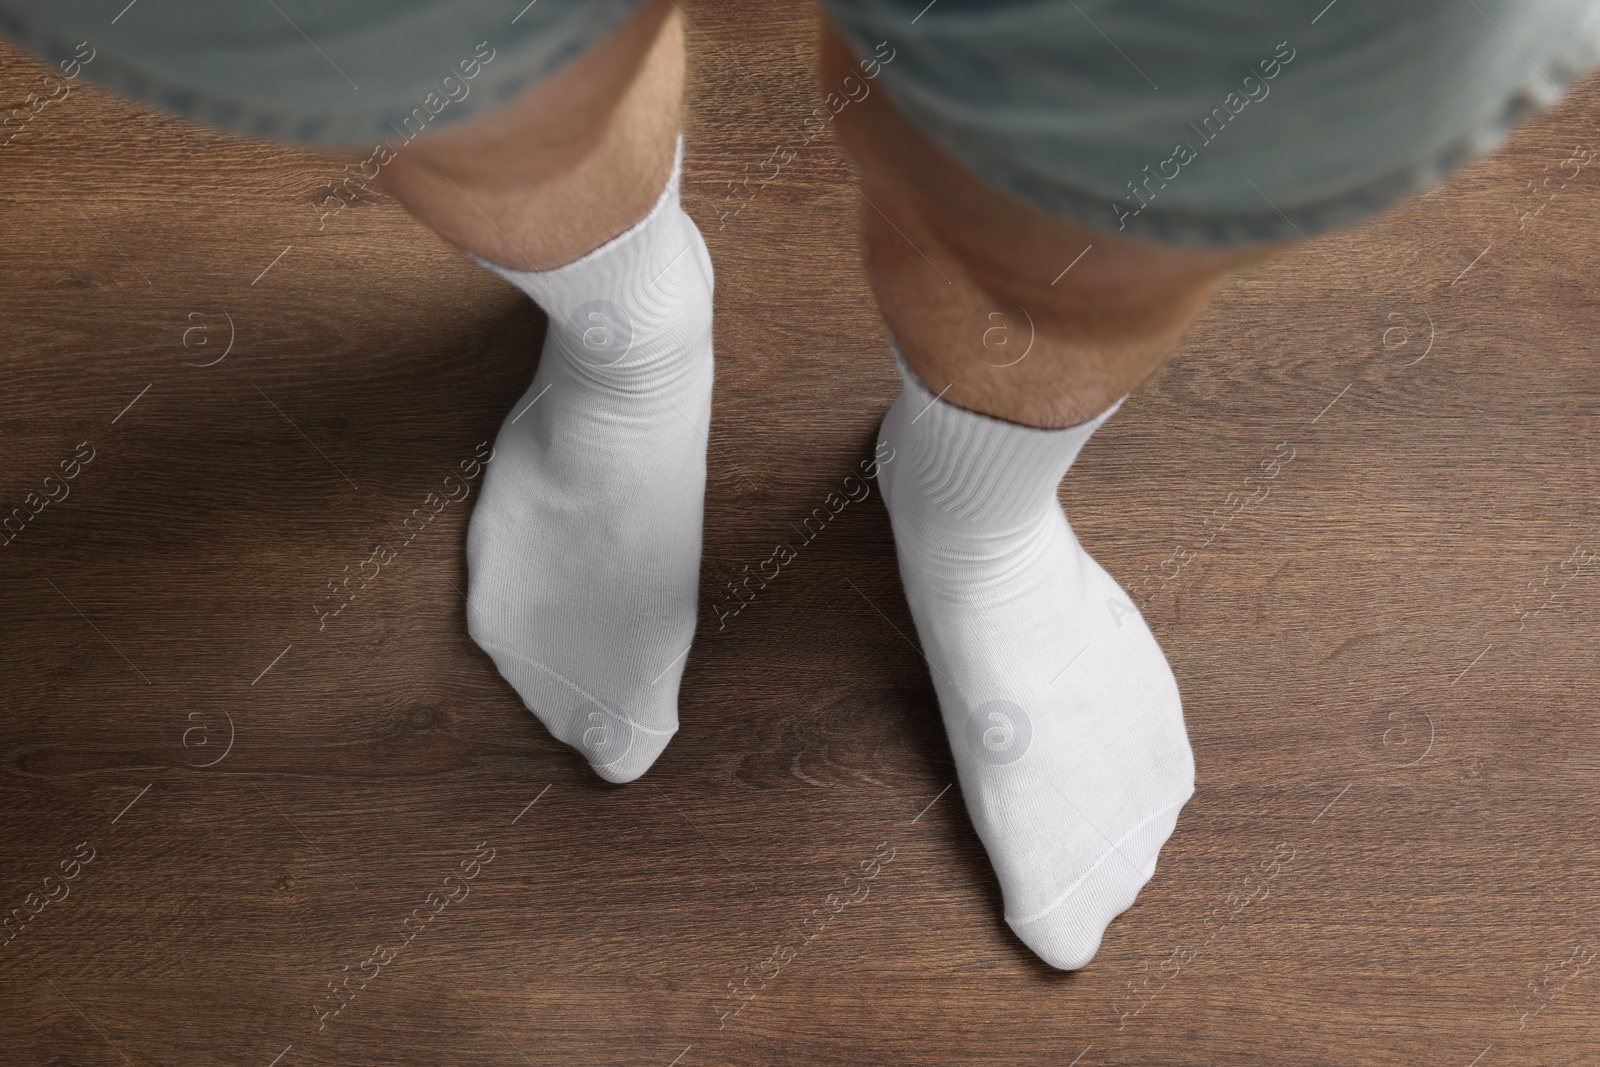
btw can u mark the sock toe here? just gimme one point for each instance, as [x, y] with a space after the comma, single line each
[1067, 934]
[608, 733]
[645, 747]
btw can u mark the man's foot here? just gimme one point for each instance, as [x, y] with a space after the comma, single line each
[1062, 713]
[584, 552]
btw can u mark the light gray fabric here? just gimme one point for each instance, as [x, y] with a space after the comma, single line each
[1209, 122]
[345, 73]
[1066, 103]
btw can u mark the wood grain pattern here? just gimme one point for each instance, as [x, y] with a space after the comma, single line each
[1389, 660]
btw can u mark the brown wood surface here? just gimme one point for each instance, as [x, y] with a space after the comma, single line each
[1389, 661]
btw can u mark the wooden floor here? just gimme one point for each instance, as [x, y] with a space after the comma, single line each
[1389, 659]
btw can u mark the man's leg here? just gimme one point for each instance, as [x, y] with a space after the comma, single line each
[567, 166]
[583, 554]
[1062, 713]
[944, 252]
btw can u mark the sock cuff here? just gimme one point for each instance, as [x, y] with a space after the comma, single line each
[634, 313]
[980, 467]
[548, 286]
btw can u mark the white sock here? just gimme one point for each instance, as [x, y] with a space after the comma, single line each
[1062, 713]
[584, 551]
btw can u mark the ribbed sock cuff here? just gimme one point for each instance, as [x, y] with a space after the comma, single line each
[560, 289]
[635, 313]
[983, 468]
